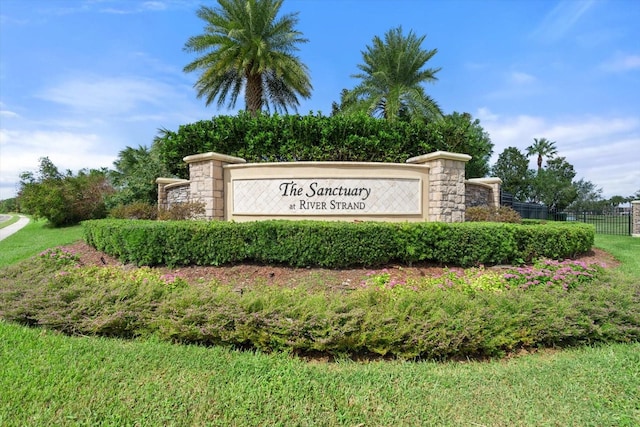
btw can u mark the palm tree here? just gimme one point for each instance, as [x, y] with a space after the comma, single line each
[246, 45]
[392, 76]
[542, 148]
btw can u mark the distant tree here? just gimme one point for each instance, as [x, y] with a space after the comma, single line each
[63, 199]
[246, 45]
[391, 79]
[341, 106]
[588, 197]
[614, 202]
[553, 185]
[512, 167]
[460, 133]
[542, 148]
[9, 205]
[134, 176]
[635, 196]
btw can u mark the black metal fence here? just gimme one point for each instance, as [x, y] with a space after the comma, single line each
[605, 223]
[618, 222]
[526, 210]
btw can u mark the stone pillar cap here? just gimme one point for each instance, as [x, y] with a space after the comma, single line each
[213, 156]
[437, 155]
[170, 180]
[491, 180]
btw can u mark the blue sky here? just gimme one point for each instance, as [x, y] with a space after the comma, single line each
[82, 79]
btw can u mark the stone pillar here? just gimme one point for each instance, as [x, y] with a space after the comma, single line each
[494, 183]
[162, 189]
[635, 218]
[207, 181]
[446, 184]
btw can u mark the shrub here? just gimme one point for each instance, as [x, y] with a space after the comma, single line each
[138, 210]
[492, 214]
[181, 211]
[334, 244]
[457, 315]
[353, 137]
[63, 199]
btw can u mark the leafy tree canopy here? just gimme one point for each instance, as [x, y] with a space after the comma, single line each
[63, 199]
[588, 197]
[553, 185]
[512, 167]
[134, 176]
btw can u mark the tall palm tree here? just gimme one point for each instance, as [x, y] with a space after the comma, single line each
[392, 76]
[247, 46]
[542, 148]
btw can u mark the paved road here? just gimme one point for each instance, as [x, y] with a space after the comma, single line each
[10, 229]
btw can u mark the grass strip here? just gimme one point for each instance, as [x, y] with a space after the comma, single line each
[50, 379]
[34, 238]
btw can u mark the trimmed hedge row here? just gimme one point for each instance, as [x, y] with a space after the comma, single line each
[334, 244]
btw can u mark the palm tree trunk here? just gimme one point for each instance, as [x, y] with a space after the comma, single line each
[253, 93]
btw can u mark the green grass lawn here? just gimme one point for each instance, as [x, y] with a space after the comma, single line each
[33, 239]
[48, 379]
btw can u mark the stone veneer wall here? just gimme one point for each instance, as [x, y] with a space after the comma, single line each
[477, 195]
[170, 190]
[635, 212]
[207, 181]
[446, 184]
[178, 194]
[482, 192]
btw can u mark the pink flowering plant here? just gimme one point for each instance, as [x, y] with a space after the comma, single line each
[566, 274]
[60, 257]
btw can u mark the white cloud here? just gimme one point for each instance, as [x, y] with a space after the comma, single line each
[107, 95]
[520, 78]
[9, 114]
[602, 150]
[621, 63]
[21, 151]
[561, 19]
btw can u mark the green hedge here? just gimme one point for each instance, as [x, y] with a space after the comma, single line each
[333, 244]
[357, 137]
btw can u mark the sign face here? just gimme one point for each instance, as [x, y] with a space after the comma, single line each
[327, 196]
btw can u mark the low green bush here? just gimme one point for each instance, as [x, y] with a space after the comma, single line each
[334, 244]
[181, 211]
[471, 314]
[137, 210]
[492, 214]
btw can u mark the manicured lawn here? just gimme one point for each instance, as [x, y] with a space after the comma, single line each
[48, 379]
[33, 239]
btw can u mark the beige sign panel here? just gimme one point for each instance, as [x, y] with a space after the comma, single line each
[327, 196]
